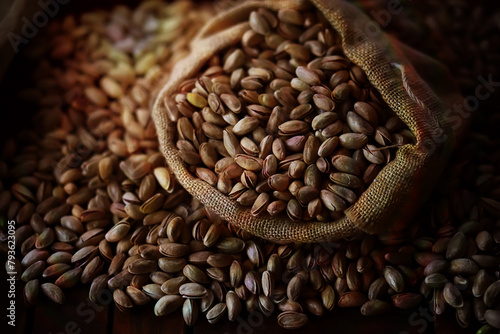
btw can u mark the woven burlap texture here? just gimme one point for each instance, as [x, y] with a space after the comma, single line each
[399, 188]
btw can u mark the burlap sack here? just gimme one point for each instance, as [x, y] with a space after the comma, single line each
[400, 187]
